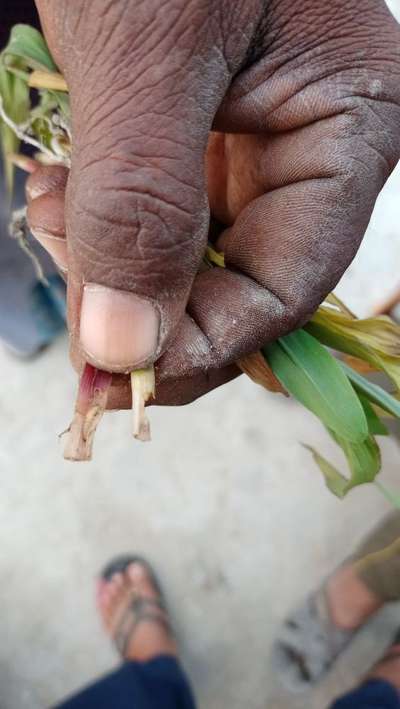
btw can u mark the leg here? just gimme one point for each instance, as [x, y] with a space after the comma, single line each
[318, 631]
[371, 695]
[134, 616]
[380, 572]
[157, 684]
[381, 687]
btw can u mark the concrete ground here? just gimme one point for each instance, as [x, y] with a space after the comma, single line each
[225, 502]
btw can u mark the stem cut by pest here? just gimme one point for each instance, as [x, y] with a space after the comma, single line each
[143, 386]
[89, 409]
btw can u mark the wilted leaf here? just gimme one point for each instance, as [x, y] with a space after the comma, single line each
[375, 340]
[257, 368]
[311, 374]
[360, 365]
[335, 481]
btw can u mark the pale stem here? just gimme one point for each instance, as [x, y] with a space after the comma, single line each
[90, 405]
[143, 389]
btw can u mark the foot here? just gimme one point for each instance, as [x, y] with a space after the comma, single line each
[350, 602]
[133, 615]
[318, 631]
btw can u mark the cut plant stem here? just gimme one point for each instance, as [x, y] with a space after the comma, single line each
[89, 409]
[143, 385]
[47, 80]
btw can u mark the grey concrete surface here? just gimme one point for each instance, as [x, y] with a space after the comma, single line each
[225, 502]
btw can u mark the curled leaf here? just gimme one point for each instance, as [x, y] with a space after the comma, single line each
[374, 340]
[364, 461]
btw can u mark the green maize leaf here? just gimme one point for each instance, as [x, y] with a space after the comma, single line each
[311, 374]
[16, 103]
[21, 73]
[374, 340]
[374, 393]
[376, 427]
[364, 461]
[335, 481]
[28, 44]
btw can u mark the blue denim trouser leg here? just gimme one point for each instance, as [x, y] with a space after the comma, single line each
[158, 684]
[374, 694]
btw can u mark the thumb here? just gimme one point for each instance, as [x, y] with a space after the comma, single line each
[145, 85]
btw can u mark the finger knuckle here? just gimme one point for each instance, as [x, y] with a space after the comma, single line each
[135, 224]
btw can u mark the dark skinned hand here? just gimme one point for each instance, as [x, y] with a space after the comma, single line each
[280, 117]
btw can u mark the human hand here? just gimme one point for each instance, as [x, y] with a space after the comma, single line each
[303, 98]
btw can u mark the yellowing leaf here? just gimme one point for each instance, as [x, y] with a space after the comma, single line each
[214, 258]
[374, 340]
[46, 80]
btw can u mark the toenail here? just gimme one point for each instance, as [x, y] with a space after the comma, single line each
[136, 571]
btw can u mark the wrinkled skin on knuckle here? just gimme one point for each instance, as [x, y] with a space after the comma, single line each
[134, 28]
[316, 58]
[130, 224]
[145, 81]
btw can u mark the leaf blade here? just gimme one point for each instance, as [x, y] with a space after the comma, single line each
[310, 373]
[28, 43]
[373, 392]
[364, 461]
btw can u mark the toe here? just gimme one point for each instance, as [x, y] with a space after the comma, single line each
[140, 579]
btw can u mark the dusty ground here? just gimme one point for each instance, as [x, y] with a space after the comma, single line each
[225, 502]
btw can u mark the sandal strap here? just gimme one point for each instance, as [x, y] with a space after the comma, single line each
[139, 610]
